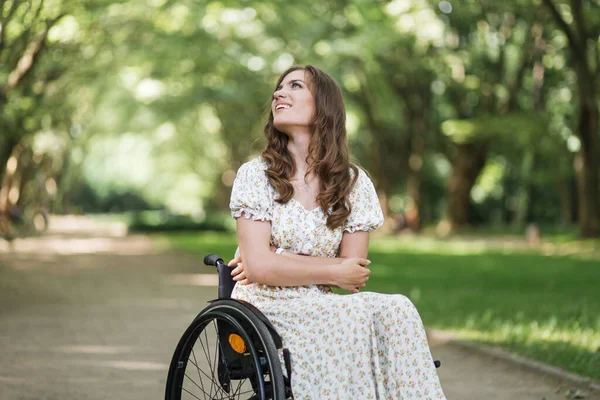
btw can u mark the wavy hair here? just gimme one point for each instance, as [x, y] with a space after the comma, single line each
[328, 153]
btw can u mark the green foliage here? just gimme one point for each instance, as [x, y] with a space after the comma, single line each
[524, 129]
[167, 98]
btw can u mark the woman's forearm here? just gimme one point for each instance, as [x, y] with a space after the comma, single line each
[313, 260]
[282, 270]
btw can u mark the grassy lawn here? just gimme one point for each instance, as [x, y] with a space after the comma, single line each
[546, 307]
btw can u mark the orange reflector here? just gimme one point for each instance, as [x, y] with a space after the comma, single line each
[237, 343]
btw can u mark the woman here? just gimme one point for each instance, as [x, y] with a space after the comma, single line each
[305, 199]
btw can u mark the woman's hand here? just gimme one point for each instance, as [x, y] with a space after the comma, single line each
[352, 274]
[238, 273]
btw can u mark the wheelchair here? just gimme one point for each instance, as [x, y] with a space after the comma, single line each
[230, 351]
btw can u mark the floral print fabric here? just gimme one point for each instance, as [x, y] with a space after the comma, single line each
[360, 346]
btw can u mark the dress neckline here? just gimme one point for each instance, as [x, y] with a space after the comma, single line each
[304, 208]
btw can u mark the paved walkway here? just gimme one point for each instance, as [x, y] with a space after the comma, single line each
[98, 316]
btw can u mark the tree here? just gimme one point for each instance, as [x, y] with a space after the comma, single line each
[582, 35]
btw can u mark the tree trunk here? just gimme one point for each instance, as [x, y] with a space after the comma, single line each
[586, 161]
[6, 148]
[382, 182]
[586, 168]
[414, 217]
[468, 163]
[523, 191]
[6, 151]
[564, 189]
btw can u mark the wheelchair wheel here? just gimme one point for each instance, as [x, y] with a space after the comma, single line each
[226, 353]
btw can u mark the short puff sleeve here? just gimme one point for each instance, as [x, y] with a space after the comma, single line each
[366, 214]
[251, 194]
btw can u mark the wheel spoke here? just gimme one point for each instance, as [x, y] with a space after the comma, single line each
[187, 391]
[232, 398]
[212, 379]
[239, 388]
[208, 356]
[215, 386]
[195, 384]
[195, 363]
[216, 355]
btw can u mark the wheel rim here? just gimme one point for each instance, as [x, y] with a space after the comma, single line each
[198, 365]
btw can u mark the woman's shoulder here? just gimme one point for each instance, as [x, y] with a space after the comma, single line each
[363, 175]
[257, 166]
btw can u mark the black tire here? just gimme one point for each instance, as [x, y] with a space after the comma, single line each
[188, 378]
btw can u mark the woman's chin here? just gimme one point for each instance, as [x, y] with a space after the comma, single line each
[290, 128]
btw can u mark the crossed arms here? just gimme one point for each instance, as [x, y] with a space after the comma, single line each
[260, 264]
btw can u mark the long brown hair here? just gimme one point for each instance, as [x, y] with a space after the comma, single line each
[328, 153]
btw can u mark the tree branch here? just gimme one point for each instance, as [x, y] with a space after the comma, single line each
[25, 36]
[39, 9]
[526, 59]
[577, 10]
[5, 20]
[566, 28]
[29, 58]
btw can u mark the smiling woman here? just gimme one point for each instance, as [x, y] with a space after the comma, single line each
[304, 214]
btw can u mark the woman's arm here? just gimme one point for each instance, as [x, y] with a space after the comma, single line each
[263, 266]
[353, 245]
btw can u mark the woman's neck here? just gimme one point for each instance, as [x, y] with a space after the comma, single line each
[298, 147]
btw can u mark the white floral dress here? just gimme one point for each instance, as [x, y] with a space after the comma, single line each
[359, 346]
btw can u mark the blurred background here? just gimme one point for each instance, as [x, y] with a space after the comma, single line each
[470, 114]
[478, 122]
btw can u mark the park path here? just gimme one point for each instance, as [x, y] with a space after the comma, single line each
[90, 314]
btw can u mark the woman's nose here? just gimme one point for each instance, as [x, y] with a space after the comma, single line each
[280, 94]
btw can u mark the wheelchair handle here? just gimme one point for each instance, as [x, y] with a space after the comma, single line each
[212, 259]
[226, 282]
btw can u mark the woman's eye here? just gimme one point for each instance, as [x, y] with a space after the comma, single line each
[296, 84]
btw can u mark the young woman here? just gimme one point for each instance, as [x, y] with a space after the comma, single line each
[304, 214]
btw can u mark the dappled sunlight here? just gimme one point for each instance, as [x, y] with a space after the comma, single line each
[70, 234]
[82, 225]
[472, 245]
[159, 304]
[193, 279]
[498, 330]
[428, 245]
[93, 349]
[131, 365]
[71, 246]
[574, 343]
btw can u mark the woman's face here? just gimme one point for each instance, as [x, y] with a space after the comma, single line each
[293, 104]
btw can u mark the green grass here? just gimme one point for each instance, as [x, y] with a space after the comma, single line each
[540, 306]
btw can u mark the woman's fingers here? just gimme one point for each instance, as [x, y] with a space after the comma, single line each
[244, 282]
[237, 270]
[239, 277]
[234, 262]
